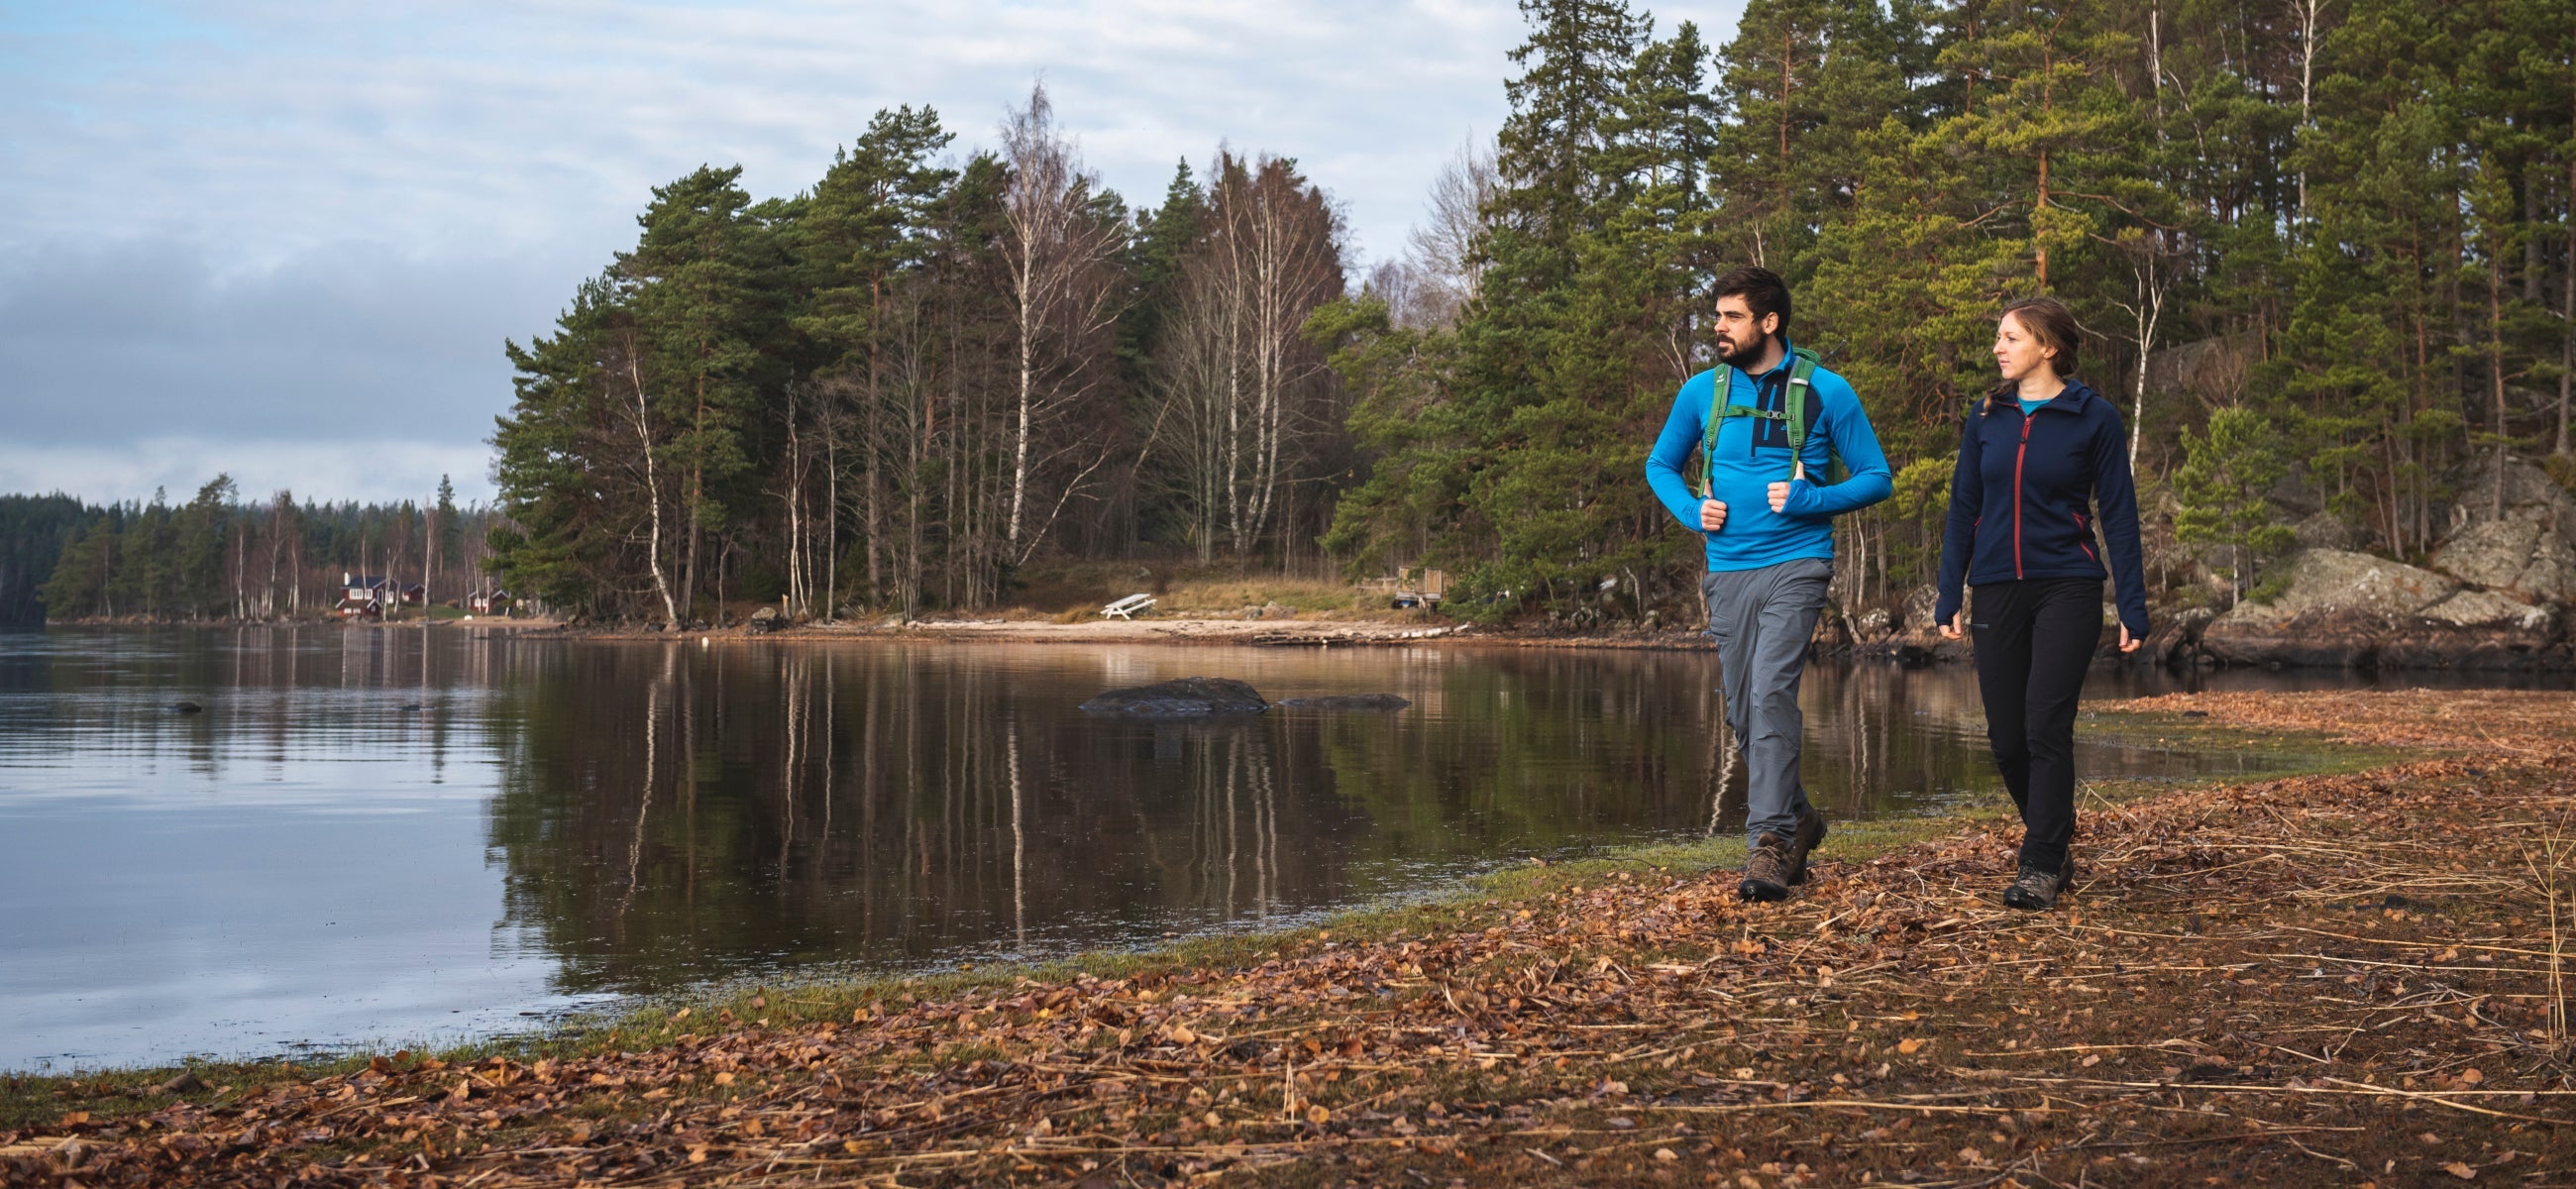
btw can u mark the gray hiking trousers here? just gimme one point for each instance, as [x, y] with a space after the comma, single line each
[1763, 620]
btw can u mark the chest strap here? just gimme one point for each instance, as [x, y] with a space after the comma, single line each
[1792, 413]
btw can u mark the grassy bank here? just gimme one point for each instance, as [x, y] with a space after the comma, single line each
[1605, 1020]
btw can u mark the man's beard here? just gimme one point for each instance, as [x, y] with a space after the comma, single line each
[1744, 355]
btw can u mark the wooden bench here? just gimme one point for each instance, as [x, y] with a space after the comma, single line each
[1127, 608]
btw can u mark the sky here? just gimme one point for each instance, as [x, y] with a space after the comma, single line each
[287, 240]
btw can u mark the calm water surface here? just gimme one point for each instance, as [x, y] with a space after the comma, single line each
[369, 835]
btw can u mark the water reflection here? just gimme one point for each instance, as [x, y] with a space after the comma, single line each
[376, 833]
[670, 813]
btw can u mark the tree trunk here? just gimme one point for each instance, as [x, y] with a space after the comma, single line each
[2567, 306]
[652, 492]
[2495, 365]
[875, 527]
[1026, 287]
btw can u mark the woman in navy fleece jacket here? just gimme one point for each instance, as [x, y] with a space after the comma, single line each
[2036, 458]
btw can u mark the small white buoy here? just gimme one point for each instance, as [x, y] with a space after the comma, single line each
[703, 641]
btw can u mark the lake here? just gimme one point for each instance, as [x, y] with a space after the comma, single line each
[390, 836]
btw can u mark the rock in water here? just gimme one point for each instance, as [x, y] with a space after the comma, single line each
[186, 708]
[1189, 697]
[1347, 702]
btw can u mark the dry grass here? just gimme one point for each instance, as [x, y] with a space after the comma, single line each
[1076, 590]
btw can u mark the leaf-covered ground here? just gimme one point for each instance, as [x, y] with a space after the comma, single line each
[2343, 979]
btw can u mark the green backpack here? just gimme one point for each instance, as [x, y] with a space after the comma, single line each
[1793, 411]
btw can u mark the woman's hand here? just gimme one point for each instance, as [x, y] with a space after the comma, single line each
[1955, 628]
[2128, 643]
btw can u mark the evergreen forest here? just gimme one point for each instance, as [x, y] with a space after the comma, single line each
[216, 557]
[2321, 248]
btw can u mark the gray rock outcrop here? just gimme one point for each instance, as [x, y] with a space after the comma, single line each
[2342, 609]
[2325, 530]
[1919, 605]
[2525, 549]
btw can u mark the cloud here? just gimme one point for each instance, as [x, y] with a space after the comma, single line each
[374, 470]
[115, 345]
[274, 126]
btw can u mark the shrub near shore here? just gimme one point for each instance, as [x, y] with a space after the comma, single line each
[2281, 981]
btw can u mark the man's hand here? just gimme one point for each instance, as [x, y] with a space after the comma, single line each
[1779, 496]
[1955, 628]
[1712, 515]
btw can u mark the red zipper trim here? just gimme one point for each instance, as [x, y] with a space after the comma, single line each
[2084, 538]
[2018, 454]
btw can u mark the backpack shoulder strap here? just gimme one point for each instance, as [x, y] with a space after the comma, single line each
[1792, 415]
[1802, 373]
[1721, 383]
[1720, 409]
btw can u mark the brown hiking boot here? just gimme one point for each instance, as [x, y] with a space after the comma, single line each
[1811, 830]
[2034, 890]
[1766, 870]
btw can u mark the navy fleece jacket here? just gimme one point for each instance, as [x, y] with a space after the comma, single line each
[1752, 453]
[2022, 501]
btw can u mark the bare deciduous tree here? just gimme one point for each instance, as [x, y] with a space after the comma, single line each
[1059, 253]
[1444, 248]
[1242, 389]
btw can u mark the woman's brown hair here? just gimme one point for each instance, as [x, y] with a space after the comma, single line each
[2048, 320]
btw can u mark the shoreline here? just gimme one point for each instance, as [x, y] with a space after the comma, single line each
[1457, 1082]
[2167, 651]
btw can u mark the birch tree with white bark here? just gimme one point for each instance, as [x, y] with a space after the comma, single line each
[1060, 252]
[1244, 393]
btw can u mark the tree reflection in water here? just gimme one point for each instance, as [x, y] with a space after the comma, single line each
[393, 830]
[671, 813]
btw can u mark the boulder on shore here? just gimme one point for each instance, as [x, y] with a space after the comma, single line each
[1187, 697]
[2516, 534]
[2343, 609]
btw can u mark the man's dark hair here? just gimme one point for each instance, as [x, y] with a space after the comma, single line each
[1763, 292]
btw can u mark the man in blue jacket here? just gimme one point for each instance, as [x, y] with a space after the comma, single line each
[1768, 520]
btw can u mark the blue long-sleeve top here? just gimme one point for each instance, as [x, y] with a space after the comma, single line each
[1752, 453]
[2023, 494]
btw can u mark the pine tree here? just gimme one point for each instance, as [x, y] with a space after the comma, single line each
[79, 584]
[850, 242]
[570, 468]
[695, 287]
[2225, 484]
[1801, 82]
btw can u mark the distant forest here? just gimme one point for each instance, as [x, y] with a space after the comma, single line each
[215, 557]
[2322, 246]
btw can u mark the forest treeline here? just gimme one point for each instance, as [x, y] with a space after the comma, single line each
[901, 386]
[216, 557]
[896, 388]
[2354, 213]
[2321, 246]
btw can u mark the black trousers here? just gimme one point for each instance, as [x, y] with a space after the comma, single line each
[2034, 640]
